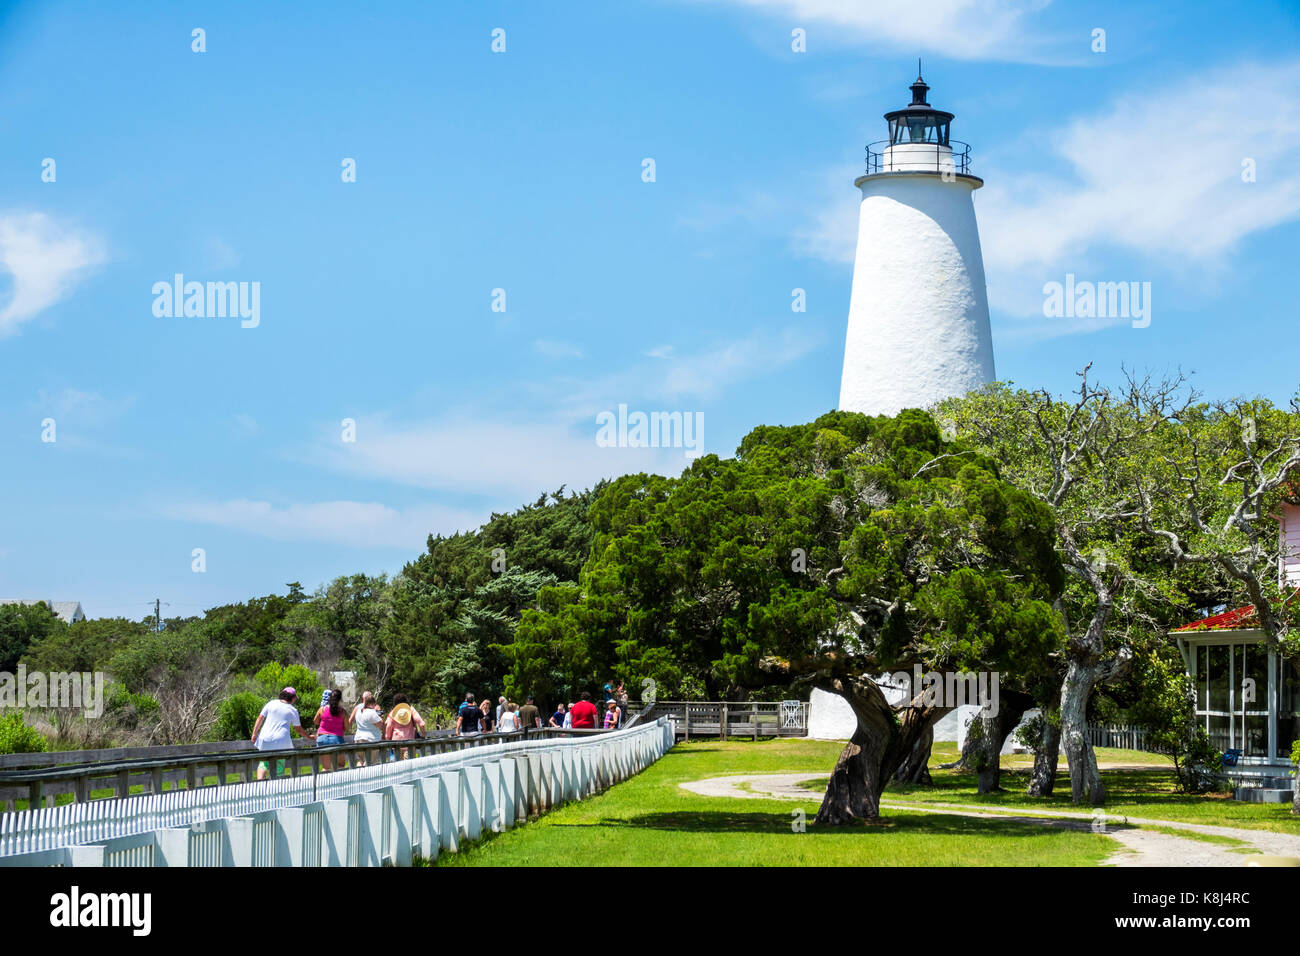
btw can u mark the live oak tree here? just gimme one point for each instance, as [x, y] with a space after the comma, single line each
[1235, 464]
[1083, 457]
[456, 607]
[1163, 505]
[820, 555]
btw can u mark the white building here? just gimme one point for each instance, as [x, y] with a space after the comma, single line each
[1248, 697]
[918, 328]
[918, 312]
[69, 612]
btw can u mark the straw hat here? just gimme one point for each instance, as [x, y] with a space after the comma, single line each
[402, 714]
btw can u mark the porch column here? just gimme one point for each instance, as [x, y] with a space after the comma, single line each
[1272, 706]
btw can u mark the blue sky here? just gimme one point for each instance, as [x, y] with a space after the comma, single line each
[522, 171]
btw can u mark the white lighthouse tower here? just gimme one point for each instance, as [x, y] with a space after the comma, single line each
[918, 313]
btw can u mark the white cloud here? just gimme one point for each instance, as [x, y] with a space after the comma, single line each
[508, 457]
[508, 461]
[45, 261]
[961, 29]
[1152, 180]
[668, 375]
[1156, 177]
[708, 373]
[80, 407]
[219, 254]
[557, 350]
[831, 234]
[355, 523]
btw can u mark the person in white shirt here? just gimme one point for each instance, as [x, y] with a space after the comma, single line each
[509, 723]
[369, 723]
[278, 718]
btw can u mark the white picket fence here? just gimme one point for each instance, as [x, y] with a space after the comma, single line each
[370, 815]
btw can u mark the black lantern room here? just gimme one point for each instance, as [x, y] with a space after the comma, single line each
[919, 122]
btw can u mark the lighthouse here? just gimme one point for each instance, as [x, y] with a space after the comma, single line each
[918, 311]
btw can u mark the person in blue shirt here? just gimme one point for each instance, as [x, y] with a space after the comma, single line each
[557, 718]
[467, 717]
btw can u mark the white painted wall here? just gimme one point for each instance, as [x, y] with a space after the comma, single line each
[918, 327]
[1290, 519]
[917, 157]
[830, 717]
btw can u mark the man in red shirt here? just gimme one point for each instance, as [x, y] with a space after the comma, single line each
[584, 713]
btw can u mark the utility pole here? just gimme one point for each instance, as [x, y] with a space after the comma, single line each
[157, 614]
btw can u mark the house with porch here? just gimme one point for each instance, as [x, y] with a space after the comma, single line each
[1247, 697]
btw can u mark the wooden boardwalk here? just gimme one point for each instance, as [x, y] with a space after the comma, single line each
[725, 719]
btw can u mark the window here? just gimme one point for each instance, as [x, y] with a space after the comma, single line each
[1288, 705]
[1232, 696]
[918, 128]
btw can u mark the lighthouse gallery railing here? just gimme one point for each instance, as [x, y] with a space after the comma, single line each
[955, 157]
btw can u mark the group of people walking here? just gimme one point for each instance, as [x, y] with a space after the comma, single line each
[332, 722]
[582, 714]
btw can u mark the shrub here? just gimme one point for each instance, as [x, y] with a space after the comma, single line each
[1196, 762]
[237, 714]
[274, 678]
[17, 738]
[438, 717]
[133, 711]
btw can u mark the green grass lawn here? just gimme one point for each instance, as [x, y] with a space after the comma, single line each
[1151, 793]
[650, 821]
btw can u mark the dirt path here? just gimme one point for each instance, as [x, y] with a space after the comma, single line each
[1139, 847]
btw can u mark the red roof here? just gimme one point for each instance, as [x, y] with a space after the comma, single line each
[1240, 619]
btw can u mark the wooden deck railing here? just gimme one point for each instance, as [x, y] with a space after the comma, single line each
[200, 765]
[726, 719]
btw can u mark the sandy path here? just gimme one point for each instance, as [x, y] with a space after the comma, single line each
[1139, 847]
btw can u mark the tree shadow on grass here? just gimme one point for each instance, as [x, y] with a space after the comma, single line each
[937, 825]
[1155, 787]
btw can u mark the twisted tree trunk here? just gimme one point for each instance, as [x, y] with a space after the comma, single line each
[882, 741]
[1085, 778]
[1042, 781]
[986, 736]
[915, 768]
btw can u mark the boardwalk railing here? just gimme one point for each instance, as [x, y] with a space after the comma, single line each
[192, 765]
[60, 758]
[379, 814]
[725, 719]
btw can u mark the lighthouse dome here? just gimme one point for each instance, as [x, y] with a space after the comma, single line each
[919, 139]
[918, 327]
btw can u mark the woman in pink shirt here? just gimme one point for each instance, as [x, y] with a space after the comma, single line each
[403, 723]
[332, 722]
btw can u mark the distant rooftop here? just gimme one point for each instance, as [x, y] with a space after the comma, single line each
[66, 611]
